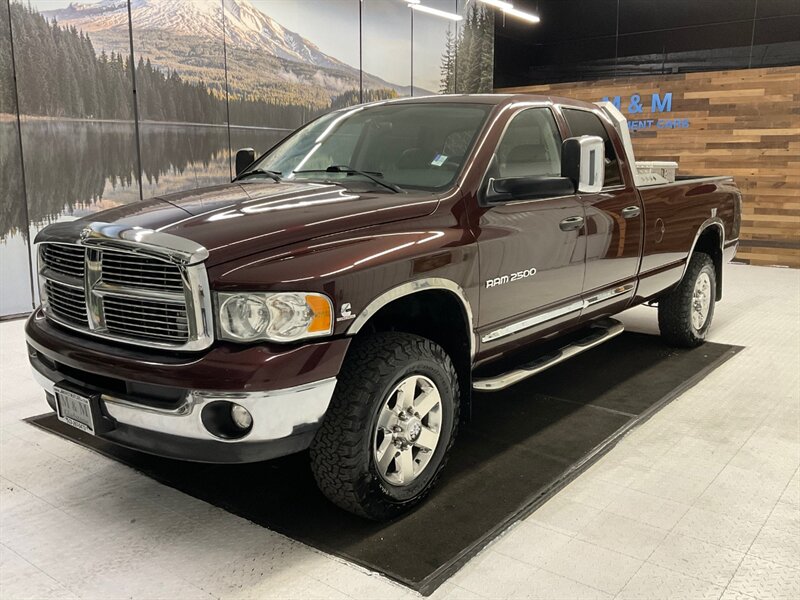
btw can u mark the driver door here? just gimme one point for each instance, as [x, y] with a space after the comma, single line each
[532, 252]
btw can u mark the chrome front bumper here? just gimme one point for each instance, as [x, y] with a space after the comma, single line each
[276, 414]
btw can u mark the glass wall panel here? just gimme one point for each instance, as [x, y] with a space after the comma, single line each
[474, 50]
[434, 44]
[386, 48]
[76, 107]
[179, 50]
[288, 61]
[15, 277]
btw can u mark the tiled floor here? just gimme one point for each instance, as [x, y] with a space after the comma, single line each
[702, 501]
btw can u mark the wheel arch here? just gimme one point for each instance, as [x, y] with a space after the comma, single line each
[434, 308]
[710, 239]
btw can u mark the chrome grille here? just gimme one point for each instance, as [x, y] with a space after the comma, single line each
[146, 319]
[65, 259]
[122, 268]
[135, 296]
[66, 302]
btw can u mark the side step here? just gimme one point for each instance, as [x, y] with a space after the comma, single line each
[600, 332]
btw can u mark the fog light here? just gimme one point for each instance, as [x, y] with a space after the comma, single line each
[241, 416]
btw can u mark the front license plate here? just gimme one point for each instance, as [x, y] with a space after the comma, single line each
[75, 410]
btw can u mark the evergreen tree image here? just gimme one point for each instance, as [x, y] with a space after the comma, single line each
[448, 84]
[468, 59]
[7, 98]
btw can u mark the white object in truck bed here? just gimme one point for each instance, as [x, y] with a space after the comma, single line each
[645, 172]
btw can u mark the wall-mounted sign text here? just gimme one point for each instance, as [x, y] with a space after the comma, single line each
[636, 105]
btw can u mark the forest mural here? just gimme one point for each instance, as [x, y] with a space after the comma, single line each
[203, 77]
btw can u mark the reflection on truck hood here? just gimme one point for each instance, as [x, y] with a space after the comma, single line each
[236, 220]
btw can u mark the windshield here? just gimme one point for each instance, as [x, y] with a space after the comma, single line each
[409, 146]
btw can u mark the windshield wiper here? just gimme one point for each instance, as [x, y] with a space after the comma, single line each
[274, 175]
[371, 175]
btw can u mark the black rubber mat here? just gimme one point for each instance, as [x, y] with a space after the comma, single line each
[521, 446]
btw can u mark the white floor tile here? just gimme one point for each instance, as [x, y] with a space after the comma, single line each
[623, 535]
[697, 558]
[592, 565]
[650, 510]
[20, 579]
[531, 543]
[496, 576]
[564, 515]
[764, 579]
[723, 530]
[657, 583]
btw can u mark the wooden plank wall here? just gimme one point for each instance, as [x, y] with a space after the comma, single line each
[744, 123]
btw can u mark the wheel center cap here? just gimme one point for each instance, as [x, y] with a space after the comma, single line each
[413, 430]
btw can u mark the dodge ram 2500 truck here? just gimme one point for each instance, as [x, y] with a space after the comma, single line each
[351, 287]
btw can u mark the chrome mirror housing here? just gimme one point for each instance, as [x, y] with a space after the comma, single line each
[583, 161]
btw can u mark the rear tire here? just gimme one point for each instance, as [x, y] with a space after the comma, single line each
[390, 425]
[685, 314]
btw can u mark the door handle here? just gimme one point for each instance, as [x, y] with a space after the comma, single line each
[631, 211]
[571, 223]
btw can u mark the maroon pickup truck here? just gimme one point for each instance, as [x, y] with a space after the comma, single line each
[351, 287]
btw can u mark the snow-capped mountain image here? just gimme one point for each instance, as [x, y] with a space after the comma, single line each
[266, 61]
[245, 26]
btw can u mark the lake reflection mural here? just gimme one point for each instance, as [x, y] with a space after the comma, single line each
[203, 77]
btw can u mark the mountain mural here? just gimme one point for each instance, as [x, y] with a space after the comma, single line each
[266, 61]
[246, 26]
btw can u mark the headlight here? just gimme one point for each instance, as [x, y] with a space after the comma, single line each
[277, 317]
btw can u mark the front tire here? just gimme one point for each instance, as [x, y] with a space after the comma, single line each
[685, 314]
[390, 425]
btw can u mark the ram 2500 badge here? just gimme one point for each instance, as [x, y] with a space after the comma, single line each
[350, 288]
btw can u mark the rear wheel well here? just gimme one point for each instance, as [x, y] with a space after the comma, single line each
[438, 315]
[710, 242]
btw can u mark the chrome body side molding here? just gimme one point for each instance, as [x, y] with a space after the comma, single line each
[608, 294]
[558, 312]
[532, 321]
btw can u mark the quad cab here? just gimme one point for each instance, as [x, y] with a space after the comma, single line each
[350, 288]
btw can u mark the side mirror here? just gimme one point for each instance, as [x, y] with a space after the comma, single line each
[244, 158]
[583, 162]
[528, 188]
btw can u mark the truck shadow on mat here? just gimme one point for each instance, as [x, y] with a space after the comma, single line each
[521, 446]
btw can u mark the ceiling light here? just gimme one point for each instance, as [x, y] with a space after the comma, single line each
[436, 12]
[509, 9]
[499, 4]
[522, 15]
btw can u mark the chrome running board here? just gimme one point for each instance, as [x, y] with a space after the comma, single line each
[602, 331]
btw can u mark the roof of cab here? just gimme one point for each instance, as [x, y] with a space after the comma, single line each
[495, 99]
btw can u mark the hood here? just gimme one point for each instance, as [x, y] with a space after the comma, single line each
[239, 219]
